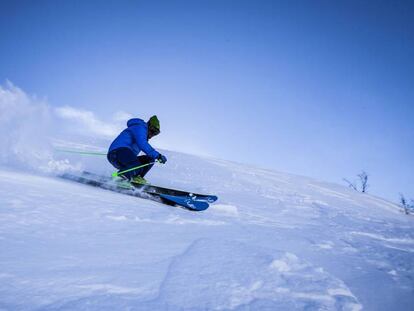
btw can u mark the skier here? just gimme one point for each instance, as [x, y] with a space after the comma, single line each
[124, 150]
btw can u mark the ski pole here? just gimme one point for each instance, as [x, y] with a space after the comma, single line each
[116, 174]
[81, 152]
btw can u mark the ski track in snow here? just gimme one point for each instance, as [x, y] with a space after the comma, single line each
[273, 241]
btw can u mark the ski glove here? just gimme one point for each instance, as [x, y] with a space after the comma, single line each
[162, 159]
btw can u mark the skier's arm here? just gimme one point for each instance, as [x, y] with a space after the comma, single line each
[140, 134]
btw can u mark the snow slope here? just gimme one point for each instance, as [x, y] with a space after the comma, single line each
[273, 241]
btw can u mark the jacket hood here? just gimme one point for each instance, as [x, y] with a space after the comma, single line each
[136, 121]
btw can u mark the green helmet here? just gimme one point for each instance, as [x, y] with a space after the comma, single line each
[154, 123]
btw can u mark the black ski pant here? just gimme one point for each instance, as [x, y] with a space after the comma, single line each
[124, 159]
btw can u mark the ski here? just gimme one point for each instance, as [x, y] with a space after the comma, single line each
[156, 190]
[193, 205]
[173, 192]
[187, 200]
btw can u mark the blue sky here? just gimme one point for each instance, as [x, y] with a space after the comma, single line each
[317, 88]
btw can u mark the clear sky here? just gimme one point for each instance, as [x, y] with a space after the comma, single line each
[317, 88]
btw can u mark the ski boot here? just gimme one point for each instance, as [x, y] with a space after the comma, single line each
[123, 183]
[139, 180]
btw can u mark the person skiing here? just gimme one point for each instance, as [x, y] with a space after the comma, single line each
[124, 150]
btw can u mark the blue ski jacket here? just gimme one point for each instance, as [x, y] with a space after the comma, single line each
[135, 137]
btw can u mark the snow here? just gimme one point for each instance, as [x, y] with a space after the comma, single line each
[273, 241]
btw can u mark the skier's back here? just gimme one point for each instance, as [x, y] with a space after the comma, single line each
[124, 150]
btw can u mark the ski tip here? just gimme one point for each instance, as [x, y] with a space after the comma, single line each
[206, 198]
[187, 202]
[212, 198]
